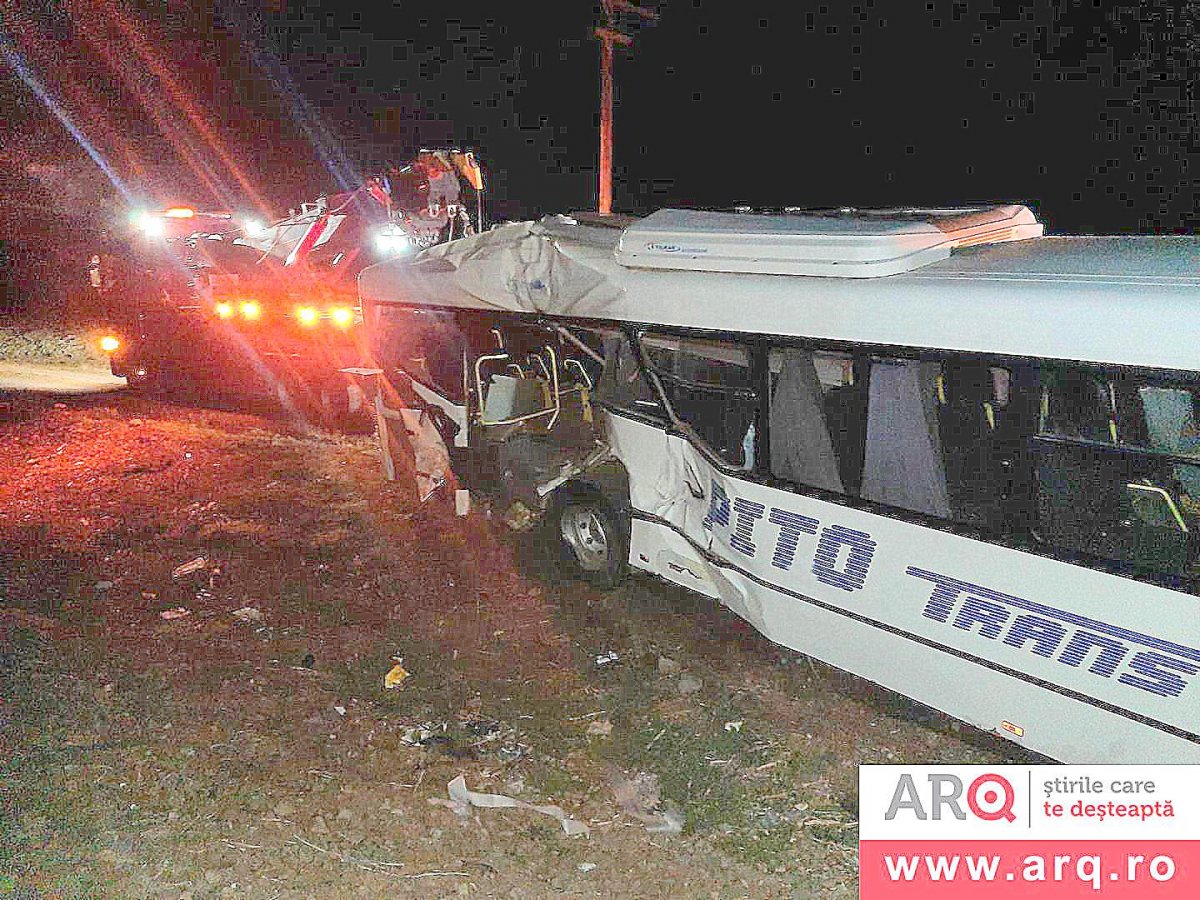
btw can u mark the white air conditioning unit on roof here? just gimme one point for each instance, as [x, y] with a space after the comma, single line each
[835, 243]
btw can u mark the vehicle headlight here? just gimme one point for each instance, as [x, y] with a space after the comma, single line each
[392, 240]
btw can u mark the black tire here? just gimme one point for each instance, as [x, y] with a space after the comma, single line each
[591, 540]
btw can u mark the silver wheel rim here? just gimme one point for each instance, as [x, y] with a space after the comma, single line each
[583, 530]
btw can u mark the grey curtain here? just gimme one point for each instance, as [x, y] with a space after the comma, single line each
[801, 450]
[904, 466]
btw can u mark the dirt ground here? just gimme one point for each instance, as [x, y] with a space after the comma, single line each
[227, 732]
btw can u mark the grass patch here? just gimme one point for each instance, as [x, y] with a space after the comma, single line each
[55, 814]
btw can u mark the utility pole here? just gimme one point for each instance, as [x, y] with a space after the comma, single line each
[609, 34]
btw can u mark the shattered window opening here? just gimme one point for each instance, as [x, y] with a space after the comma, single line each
[710, 387]
[425, 344]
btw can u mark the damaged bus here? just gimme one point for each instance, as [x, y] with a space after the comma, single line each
[932, 448]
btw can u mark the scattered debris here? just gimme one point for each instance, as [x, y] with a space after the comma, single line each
[689, 684]
[641, 797]
[102, 586]
[248, 614]
[734, 727]
[607, 658]
[461, 800]
[672, 823]
[395, 676]
[189, 567]
[667, 666]
[340, 710]
[177, 613]
[600, 728]
[418, 735]
[586, 866]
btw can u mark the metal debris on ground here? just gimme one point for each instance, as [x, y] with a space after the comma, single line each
[177, 613]
[586, 866]
[607, 658]
[462, 799]
[248, 614]
[187, 568]
[734, 727]
[395, 676]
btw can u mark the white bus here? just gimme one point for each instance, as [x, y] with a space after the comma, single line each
[933, 448]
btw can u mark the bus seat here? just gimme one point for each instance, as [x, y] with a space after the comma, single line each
[509, 397]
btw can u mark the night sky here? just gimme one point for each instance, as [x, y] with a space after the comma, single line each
[1086, 110]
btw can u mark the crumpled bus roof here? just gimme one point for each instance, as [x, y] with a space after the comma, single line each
[517, 267]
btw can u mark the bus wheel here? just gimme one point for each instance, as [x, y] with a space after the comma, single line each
[592, 540]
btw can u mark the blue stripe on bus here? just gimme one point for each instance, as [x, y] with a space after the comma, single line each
[1136, 637]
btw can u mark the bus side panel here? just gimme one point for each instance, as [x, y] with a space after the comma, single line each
[1052, 724]
[1090, 667]
[654, 486]
[666, 553]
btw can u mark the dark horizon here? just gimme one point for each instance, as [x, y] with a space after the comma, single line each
[1085, 113]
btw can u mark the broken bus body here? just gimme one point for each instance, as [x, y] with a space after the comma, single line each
[933, 448]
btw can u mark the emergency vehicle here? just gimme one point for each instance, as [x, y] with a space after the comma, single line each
[213, 303]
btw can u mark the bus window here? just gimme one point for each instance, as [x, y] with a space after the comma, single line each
[903, 464]
[973, 413]
[1169, 416]
[622, 383]
[1077, 404]
[1170, 419]
[1159, 534]
[709, 385]
[802, 449]
[1111, 480]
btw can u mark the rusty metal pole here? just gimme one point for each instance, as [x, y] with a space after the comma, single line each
[606, 124]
